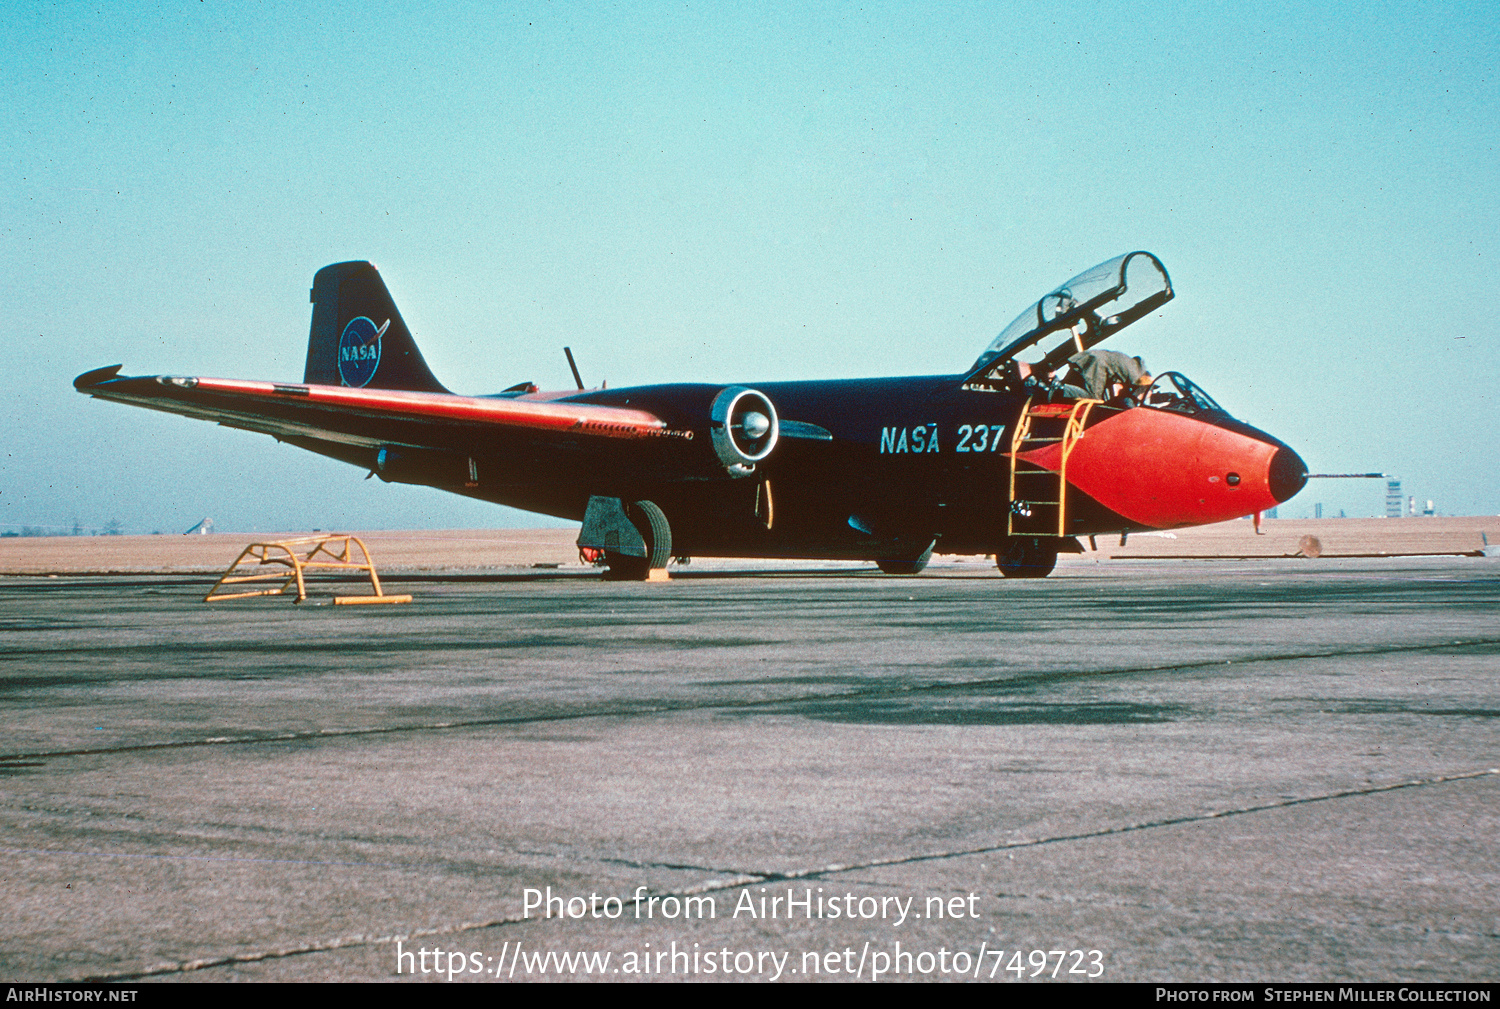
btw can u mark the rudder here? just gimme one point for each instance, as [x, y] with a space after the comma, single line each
[358, 337]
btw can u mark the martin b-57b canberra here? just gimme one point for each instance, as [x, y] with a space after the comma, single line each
[888, 470]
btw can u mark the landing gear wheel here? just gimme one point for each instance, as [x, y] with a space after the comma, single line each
[1026, 557]
[652, 525]
[907, 565]
[624, 568]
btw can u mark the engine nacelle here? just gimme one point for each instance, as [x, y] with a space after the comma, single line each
[744, 428]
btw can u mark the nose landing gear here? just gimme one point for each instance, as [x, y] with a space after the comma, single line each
[1027, 556]
[909, 562]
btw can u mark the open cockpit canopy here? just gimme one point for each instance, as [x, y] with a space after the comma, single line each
[1085, 311]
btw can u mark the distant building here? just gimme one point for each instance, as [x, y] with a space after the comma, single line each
[1318, 510]
[1393, 499]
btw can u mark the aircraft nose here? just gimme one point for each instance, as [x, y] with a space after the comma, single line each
[1162, 469]
[1287, 474]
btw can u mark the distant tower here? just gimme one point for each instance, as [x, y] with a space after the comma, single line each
[1318, 510]
[1411, 505]
[1429, 509]
[1393, 499]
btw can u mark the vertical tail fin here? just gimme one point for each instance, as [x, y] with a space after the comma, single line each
[358, 337]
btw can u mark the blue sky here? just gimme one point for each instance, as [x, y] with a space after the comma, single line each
[682, 192]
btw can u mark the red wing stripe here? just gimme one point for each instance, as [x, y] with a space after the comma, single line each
[606, 421]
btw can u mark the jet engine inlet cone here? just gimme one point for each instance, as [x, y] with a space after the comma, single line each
[743, 426]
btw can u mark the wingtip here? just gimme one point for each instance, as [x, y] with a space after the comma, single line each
[98, 376]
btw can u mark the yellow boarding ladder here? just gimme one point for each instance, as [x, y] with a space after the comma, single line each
[1038, 496]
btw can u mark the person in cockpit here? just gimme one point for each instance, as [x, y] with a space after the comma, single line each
[1106, 375]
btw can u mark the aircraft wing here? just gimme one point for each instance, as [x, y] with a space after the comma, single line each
[370, 418]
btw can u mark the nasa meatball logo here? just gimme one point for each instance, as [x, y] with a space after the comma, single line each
[359, 351]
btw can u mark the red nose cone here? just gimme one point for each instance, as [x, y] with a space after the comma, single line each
[1163, 470]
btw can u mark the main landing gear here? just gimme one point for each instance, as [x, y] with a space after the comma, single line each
[1027, 556]
[632, 538]
[652, 525]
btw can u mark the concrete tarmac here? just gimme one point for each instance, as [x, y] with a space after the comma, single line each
[1191, 771]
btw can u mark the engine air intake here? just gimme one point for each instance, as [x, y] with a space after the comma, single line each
[744, 428]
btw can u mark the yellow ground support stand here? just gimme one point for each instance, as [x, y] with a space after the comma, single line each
[333, 551]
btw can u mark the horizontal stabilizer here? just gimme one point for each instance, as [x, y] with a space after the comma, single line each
[98, 376]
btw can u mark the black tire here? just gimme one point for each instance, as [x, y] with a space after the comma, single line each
[652, 525]
[625, 568]
[1026, 557]
[906, 565]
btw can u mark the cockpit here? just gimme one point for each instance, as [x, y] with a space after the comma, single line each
[1174, 391]
[1076, 317]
